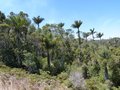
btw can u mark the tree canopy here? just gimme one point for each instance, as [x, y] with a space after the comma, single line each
[55, 49]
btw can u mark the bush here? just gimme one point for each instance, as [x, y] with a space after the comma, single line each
[31, 62]
[77, 80]
[63, 76]
[96, 84]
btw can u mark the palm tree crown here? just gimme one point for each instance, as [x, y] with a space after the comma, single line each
[92, 32]
[99, 35]
[86, 35]
[38, 20]
[77, 25]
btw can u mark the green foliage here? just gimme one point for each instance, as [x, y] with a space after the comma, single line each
[64, 79]
[31, 63]
[63, 76]
[94, 69]
[115, 72]
[96, 84]
[53, 50]
[38, 20]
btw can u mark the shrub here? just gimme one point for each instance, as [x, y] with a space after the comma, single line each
[77, 80]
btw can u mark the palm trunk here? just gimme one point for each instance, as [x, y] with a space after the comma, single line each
[79, 37]
[19, 61]
[93, 37]
[38, 26]
[86, 39]
[80, 54]
[18, 44]
[106, 76]
[8, 33]
[48, 58]
[18, 39]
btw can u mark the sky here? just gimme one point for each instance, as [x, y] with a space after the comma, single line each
[103, 15]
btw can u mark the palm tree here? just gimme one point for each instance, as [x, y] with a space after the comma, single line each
[99, 35]
[49, 46]
[86, 35]
[77, 25]
[19, 26]
[92, 32]
[38, 20]
[48, 40]
[105, 55]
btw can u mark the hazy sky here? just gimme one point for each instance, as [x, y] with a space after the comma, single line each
[103, 15]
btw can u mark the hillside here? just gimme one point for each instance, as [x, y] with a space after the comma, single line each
[18, 79]
[50, 57]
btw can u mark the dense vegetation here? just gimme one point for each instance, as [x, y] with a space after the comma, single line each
[82, 63]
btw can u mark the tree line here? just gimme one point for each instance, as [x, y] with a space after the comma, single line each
[53, 48]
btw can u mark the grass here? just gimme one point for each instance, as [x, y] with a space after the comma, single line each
[21, 73]
[44, 77]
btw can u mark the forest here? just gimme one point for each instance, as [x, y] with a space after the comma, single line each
[80, 60]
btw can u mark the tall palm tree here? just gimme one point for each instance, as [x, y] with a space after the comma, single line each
[99, 35]
[38, 20]
[19, 26]
[48, 39]
[86, 35]
[92, 32]
[105, 55]
[77, 25]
